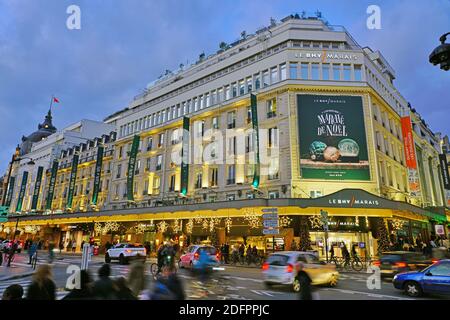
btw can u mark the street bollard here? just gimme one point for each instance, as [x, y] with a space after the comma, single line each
[85, 256]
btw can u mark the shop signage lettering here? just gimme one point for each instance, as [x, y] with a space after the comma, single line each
[51, 187]
[73, 177]
[444, 171]
[131, 168]
[23, 187]
[37, 188]
[324, 56]
[185, 157]
[253, 105]
[98, 173]
[410, 156]
[354, 201]
[12, 182]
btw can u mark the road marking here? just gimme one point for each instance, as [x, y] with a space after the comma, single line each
[263, 293]
[374, 295]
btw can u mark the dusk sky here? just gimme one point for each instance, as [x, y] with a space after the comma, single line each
[124, 45]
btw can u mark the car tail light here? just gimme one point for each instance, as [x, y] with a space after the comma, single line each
[196, 256]
[265, 266]
[401, 264]
[218, 255]
[377, 263]
[128, 251]
[434, 260]
[289, 268]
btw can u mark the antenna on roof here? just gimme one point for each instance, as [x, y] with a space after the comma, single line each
[318, 14]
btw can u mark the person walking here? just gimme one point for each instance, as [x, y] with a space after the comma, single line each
[51, 253]
[305, 287]
[74, 246]
[227, 252]
[31, 251]
[136, 277]
[174, 283]
[85, 290]
[104, 288]
[42, 287]
[12, 252]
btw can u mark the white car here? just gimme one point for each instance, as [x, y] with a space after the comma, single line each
[124, 252]
[190, 258]
[287, 267]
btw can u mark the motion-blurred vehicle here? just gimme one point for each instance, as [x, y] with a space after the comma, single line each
[190, 258]
[124, 252]
[286, 268]
[392, 263]
[434, 279]
[6, 244]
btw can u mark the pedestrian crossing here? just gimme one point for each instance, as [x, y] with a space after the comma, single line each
[60, 292]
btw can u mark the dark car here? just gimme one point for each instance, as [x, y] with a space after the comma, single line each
[434, 279]
[392, 263]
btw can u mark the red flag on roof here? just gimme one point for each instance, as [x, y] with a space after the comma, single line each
[55, 100]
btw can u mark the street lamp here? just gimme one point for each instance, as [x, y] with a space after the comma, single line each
[15, 158]
[441, 54]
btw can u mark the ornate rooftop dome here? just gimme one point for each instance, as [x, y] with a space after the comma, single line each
[44, 130]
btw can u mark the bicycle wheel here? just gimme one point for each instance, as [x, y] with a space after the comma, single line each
[357, 265]
[154, 269]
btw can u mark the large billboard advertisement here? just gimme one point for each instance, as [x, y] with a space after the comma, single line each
[333, 144]
[410, 157]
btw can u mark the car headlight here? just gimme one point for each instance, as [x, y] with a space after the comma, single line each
[395, 277]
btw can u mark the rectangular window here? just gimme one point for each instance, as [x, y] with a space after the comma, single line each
[241, 87]
[147, 165]
[215, 123]
[273, 137]
[227, 93]
[283, 72]
[271, 108]
[315, 71]
[159, 162]
[249, 143]
[220, 95]
[304, 70]
[265, 78]
[231, 120]
[172, 183]
[234, 92]
[274, 75]
[119, 171]
[249, 114]
[336, 72]
[358, 73]
[208, 100]
[249, 84]
[293, 70]
[214, 174]
[231, 174]
[232, 146]
[198, 180]
[274, 194]
[347, 72]
[257, 81]
[160, 140]
[326, 71]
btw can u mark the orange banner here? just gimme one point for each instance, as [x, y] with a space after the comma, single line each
[408, 141]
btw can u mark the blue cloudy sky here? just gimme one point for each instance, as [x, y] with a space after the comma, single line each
[123, 45]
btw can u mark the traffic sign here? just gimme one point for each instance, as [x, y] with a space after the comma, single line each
[270, 223]
[270, 216]
[269, 210]
[270, 231]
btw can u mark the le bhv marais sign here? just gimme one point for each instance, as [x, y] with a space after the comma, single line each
[327, 56]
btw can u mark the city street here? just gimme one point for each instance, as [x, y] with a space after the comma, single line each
[245, 282]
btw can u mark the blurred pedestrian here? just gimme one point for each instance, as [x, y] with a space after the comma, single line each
[174, 283]
[13, 292]
[104, 288]
[51, 253]
[305, 287]
[31, 251]
[42, 287]
[293, 246]
[123, 291]
[84, 292]
[61, 247]
[227, 252]
[74, 246]
[136, 277]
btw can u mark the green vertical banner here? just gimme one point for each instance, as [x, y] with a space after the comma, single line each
[37, 188]
[98, 174]
[51, 186]
[185, 157]
[12, 182]
[253, 106]
[23, 187]
[73, 178]
[131, 167]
